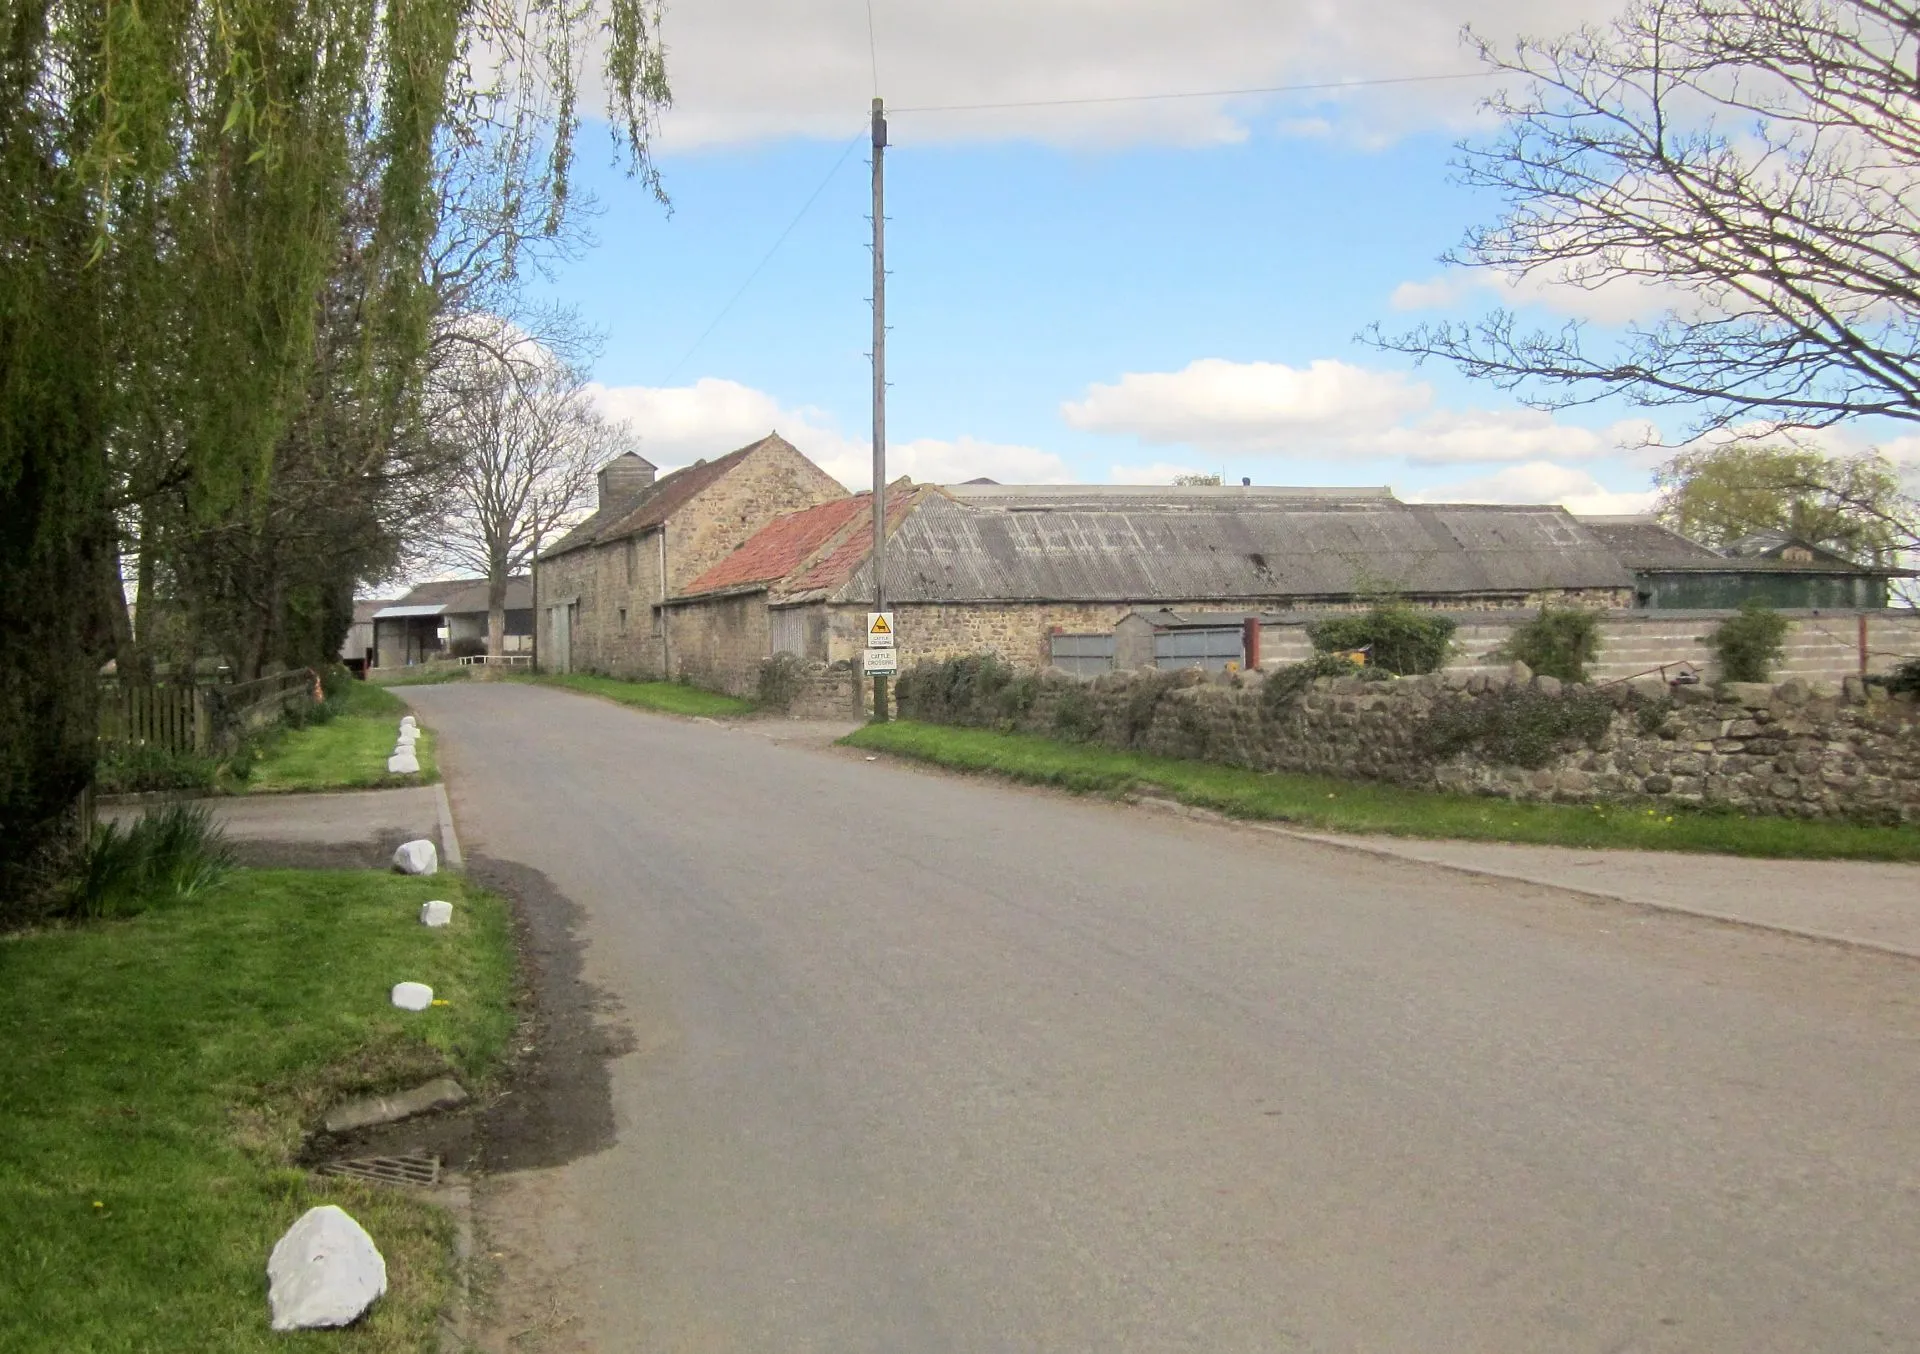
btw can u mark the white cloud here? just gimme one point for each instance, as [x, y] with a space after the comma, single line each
[929, 460]
[1326, 410]
[1615, 302]
[681, 424]
[1541, 482]
[711, 417]
[1249, 406]
[746, 70]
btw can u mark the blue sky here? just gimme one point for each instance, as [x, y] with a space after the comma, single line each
[1106, 292]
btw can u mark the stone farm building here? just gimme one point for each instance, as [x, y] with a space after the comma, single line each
[705, 573]
[425, 624]
[1033, 572]
[603, 587]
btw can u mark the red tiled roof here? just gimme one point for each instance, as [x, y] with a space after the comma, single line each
[838, 564]
[781, 546]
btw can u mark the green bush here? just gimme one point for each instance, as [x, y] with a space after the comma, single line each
[1904, 680]
[1517, 725]
[1014, 701]
[1398, 638]
[956, 691]
[1750, 642]
[133, 768]
[1149, 687]
[780, 681]
[467, 646]
[167, 855]
[1557, 643]
[1286, 684]
[1075, 717]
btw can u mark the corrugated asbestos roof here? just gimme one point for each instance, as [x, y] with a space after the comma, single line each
[1098, 545]
[652, 504]
[1642, 543]
[781, 546]
[456, 597]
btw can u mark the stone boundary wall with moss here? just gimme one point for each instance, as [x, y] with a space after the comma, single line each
[1809, 750]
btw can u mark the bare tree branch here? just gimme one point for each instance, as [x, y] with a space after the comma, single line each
[1757, 159]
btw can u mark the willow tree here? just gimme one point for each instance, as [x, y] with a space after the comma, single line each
[178, 178]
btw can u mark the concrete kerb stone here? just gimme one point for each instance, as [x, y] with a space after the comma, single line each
[442, 1093]
[449, 839]
[1365, 847]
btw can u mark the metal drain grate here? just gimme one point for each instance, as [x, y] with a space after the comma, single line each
[413, 1169]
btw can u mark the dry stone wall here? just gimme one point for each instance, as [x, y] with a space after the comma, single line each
[1796, 749]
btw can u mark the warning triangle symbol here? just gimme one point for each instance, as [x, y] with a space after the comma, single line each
[880, 626]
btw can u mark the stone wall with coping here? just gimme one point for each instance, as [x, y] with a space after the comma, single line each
[1839, 751]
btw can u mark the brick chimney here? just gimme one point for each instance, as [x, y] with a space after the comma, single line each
[624, 476]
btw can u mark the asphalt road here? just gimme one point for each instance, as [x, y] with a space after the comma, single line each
[916, 1063]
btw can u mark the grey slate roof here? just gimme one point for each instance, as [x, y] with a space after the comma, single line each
[1095, 543]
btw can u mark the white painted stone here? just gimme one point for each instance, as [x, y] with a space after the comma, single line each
[436, 913]
[409, 722]
[417, 857]
[403, 763]
[412, 996]
[324, 1272]
[408, 737]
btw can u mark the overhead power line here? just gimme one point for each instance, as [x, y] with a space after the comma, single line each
[1193, 94]
[767, 258]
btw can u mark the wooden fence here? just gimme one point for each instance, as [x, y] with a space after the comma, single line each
[202, 720]
[177, 718]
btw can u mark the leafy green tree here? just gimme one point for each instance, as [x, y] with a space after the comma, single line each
[187, 183]
[1852, 505]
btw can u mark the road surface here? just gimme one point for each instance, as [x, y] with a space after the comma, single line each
[917, 1063]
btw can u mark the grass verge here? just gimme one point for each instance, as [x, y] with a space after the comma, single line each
[348, 752]
[674, 698]
[159, 1074]
[435, 676]
[1351, 806]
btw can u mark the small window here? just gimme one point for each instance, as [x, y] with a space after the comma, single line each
[1797, 554]
[623, 620]
[633, 565]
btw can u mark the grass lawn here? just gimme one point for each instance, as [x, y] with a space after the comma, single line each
[1352, 806]
[675, 698]
[349, 752]
[157, 1077]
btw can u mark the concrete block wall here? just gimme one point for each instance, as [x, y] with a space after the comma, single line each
[1821, 647]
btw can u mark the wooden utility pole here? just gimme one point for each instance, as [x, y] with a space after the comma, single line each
[879, 384]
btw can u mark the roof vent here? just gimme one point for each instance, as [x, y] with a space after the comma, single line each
[624, 476]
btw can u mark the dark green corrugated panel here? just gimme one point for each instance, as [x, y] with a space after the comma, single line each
[1709, 591]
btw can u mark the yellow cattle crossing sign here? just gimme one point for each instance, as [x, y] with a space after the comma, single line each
[879, 629]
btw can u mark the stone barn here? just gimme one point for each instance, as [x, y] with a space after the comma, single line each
[1043, 574]
[601, 592]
